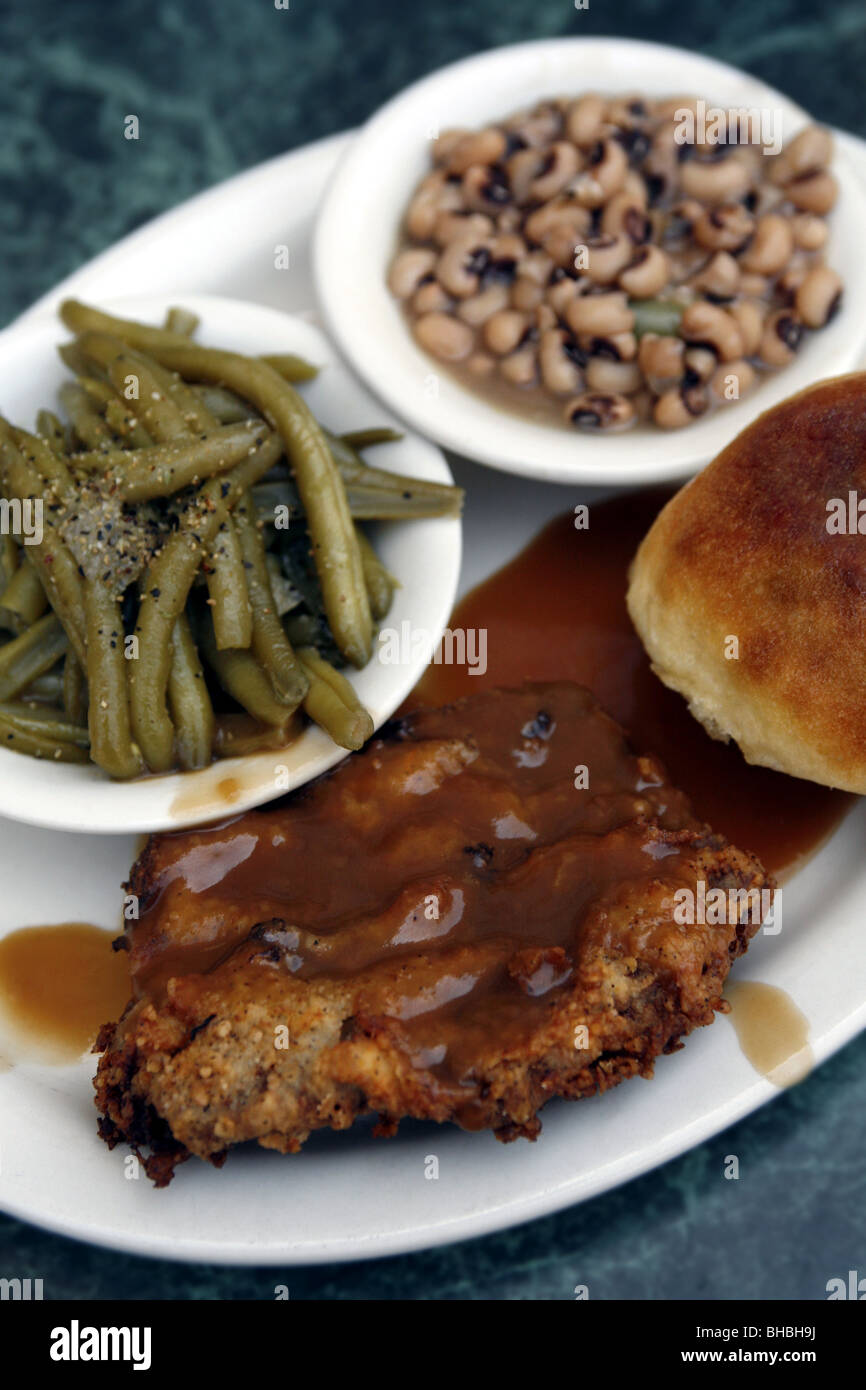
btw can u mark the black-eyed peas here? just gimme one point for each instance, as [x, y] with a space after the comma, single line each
[818, 296]
[580, 250]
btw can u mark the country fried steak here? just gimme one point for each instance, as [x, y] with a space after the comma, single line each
[475, 914]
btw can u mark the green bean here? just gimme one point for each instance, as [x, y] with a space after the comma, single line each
[189, 701]
[72, 357]
[196, 415]
[366, 439]
[164, 595]
[81, 318]
[380, 583]
[181, 321]
[33, 718]
[290, 367]
[238, 735]
[269, 643]
[74, 689]
[332, 703]
[22, 601]
[31, 654]
[332, 536]
[656, 316]
[128, 370]
[367, 503]
[224, 405]
[244, 679]
[57, 570]
[227, 586]
[49, 464]
[49, 428]
[86, 421]
[122, 421]
[47, 688]
[140, 475]
[23, 739]
[9, 559]
[111, 744]
[353, 469]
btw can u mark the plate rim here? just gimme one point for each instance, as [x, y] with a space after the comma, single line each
[749, 1099]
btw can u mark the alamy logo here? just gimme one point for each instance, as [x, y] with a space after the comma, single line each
[22, 519]
[456, 647]
[716, 907]
[20, 1289]
[77, 1343]
[736, 125]
[854, 1288]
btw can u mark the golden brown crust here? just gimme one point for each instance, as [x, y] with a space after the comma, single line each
[199, 1066]
[744, 552]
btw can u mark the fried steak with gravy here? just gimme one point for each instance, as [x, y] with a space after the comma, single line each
[470, 917]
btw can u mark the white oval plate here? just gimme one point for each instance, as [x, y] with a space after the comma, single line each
[423, 555]
[357, 230]
[349, 1196]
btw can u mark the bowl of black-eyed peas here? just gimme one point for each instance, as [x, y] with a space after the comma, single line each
[592, 260]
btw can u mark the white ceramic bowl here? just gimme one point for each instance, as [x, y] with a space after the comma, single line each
[357, 233]
[424, 556]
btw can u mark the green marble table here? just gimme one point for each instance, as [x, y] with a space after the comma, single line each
[221, 87]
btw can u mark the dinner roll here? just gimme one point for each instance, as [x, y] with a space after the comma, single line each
[749, 591]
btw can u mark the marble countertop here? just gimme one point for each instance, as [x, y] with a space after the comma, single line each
[221, 87]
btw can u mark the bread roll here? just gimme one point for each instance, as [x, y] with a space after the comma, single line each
[749, 591]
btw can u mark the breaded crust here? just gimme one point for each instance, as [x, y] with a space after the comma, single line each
[200, 1066]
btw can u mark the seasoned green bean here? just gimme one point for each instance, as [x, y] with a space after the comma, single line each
[332, 703]
[189, 701]
[270, 644]
[142, 474]
[332, 536]
[74, 689]
[134, 380]
[9, 559]
[49, 428]
[224, 405]
[380, 583]
[290, 367]
[30, 655]
[111, 744]
[366, 439]
[22, 601]
[33, 718]
[119, 416]
[245, 680]
[81, 318]
[58, 572]
[227, 586]
[164, 595]
[50, 465]
[47, 689]
[353, 469]
[88, 424]
[181, 321]
[373, 503]
[23, 739]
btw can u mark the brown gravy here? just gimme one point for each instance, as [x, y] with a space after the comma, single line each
[772, 1032]
[557, 612]
[406, 880]
[58, 985]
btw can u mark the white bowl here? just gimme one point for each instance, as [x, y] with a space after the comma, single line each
[424, 556]
[357, 233]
